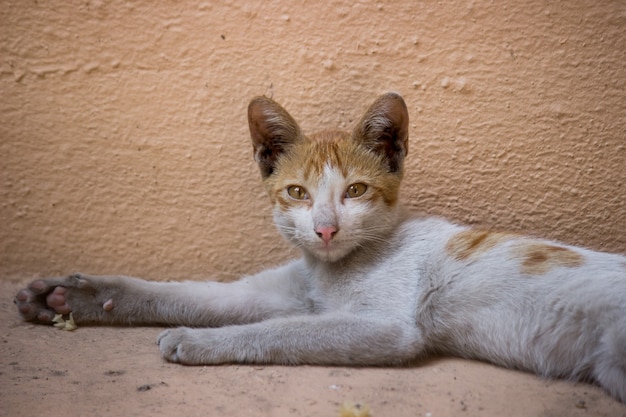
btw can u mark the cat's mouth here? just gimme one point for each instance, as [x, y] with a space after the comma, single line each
[331, 251]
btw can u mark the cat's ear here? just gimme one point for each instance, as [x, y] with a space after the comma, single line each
[385, 129]
[272, 130]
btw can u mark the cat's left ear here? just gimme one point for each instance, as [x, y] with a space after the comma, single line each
[385, 129]
[272, 130]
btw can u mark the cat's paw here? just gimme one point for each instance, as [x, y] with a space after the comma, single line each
[43, 299]
[189, 346]
[170, 341]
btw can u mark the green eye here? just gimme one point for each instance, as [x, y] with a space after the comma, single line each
[297, 193]
[356, 190]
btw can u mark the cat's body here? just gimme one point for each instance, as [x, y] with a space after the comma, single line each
[375, 285]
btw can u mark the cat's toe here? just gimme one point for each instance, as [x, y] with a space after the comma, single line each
[194, 346]
[42, 299]
[40, 286]
[169, 341]
[23, 301]
[31, 307]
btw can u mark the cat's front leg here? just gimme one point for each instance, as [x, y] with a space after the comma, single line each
[330, 339]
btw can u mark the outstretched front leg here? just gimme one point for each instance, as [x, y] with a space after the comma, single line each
[130, 301]
[334, 338]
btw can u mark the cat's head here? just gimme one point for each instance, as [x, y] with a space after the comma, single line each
[333, 192]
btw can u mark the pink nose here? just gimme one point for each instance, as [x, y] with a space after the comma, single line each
[326, 233]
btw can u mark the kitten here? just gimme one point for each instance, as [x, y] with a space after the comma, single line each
[375, 285]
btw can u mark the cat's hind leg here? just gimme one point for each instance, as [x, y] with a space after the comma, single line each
[610, 368]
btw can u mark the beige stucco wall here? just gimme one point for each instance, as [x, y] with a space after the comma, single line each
[124, 144]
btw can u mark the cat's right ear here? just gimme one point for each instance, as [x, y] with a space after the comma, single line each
[272, 130]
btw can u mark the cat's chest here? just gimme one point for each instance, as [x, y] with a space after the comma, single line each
[389, 278]
[353, 297]
[375, 290]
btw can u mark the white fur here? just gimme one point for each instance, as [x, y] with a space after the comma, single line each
[358, 221]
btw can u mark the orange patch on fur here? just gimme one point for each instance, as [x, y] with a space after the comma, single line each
[539, 258]
[468, 244]
[305, 162]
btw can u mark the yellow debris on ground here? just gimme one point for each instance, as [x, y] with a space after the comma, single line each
[63, 324]
[350, 409]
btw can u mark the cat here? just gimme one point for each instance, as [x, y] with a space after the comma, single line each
[375, 285]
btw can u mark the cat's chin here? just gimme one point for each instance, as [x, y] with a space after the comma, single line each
[331, 253]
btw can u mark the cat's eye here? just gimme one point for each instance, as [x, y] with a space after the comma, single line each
[297, 192]
[356, 190]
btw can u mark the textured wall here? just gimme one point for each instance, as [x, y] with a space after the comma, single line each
[124, 145]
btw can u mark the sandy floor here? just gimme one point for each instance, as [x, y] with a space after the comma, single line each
[119, 372]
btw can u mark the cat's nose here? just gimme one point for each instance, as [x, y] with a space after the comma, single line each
[326, 233]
